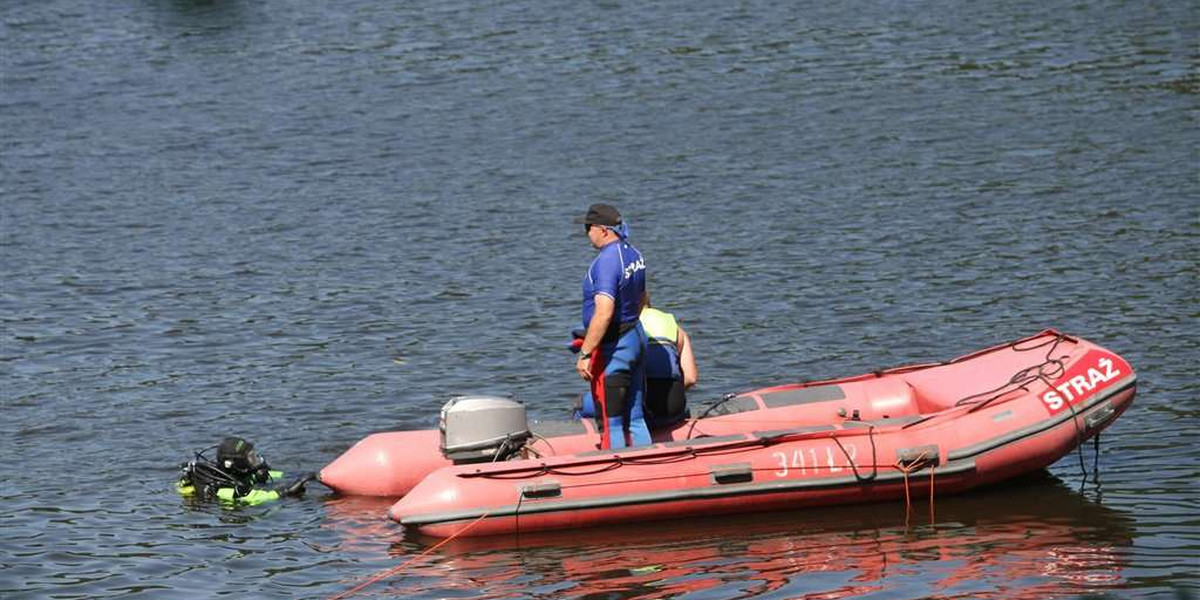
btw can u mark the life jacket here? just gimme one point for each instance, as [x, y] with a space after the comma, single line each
[662, 354]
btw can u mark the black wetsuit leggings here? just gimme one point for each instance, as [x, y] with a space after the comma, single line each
[665, 400]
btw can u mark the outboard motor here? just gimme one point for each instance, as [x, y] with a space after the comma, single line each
[482, 429]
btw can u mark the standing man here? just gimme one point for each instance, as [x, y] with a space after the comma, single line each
[613, 350]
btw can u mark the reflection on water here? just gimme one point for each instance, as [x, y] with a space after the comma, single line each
[1036, 539]
[360, 522]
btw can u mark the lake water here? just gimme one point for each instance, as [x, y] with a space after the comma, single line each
[307, 222]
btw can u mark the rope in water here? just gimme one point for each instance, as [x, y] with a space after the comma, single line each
[916, 465]
[392, 571]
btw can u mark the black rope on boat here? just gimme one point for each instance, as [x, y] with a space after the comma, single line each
[616, 461]
[688, 453]
[1058, 337]
[542, 438]
[1078, 435]
[545, 470]
[1024, 376]
[874, 457]
[1079, 442]
[723, 400]
[517, 517]
[606, 467]
[1052, 342]
[503, 449]
[666, 460]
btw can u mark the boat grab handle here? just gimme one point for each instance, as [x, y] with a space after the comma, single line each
[923, 455]
[550, 489]
[1099, 416]
[732, 473]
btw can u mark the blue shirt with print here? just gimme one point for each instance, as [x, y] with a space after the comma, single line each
[618, 272]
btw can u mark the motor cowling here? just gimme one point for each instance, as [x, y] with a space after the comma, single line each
[482, 429]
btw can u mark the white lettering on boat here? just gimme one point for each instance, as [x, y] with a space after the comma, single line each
[796, 463]
[829, 453]
[1078, 386]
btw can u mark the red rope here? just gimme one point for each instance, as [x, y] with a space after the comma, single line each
[932, 468]
[916, 465]
[389, 572]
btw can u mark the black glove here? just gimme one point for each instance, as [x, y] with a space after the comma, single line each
[295, 487]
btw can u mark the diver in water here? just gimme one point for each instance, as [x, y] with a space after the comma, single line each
[239, 474]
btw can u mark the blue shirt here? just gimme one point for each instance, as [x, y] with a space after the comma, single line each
[618, 272]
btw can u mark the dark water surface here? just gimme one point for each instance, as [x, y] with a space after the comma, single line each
[306, 222]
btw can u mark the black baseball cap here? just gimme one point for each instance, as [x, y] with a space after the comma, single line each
[601, 214]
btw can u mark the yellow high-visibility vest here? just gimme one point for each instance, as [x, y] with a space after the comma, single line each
[660, 326]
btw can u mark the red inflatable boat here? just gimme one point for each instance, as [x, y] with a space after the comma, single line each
[1042, 540]
[952, 426]
[392, 463]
